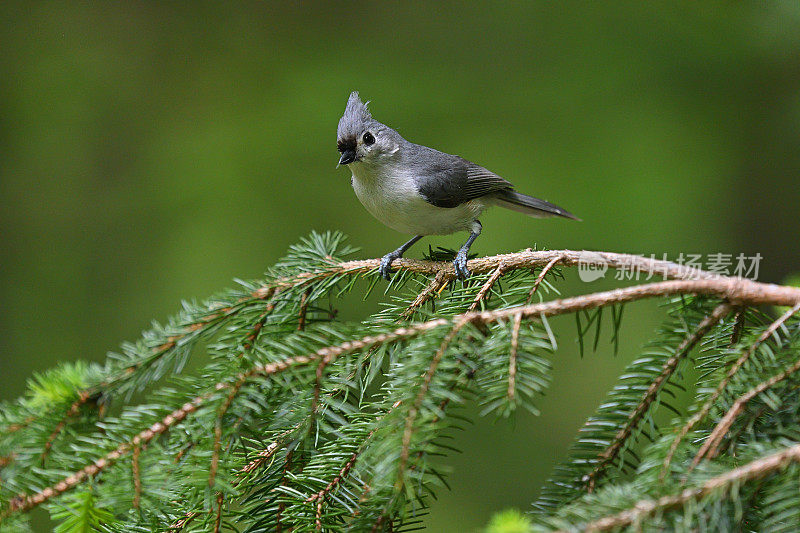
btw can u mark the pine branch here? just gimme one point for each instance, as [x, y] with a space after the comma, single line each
[636, 416]
[26, 503]
[711, 445]
[299, 420]
[748, 352]
[546, 270]
[487, 286]
[439, 282]
[426, 383]
[526, 259]
[735, 290]
[512, 357]
[749, 292]
[751, 471]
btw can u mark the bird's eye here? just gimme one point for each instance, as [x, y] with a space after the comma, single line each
[368, 139]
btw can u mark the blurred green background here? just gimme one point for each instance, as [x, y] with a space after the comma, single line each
[151, 152]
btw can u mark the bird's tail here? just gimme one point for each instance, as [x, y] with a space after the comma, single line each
[529, 205]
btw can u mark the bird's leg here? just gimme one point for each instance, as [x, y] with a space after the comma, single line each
[386, 263]
[460, 262]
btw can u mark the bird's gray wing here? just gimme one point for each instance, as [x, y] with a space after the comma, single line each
[451, 181]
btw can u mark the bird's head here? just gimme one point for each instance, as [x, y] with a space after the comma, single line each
[360, 138]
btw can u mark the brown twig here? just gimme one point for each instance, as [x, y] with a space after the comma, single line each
[73, 410]
[27, 502]
[282, 505]
[319, 497]
[433, 288]
[267, 453]
[252, 337]
[262, 457]
[212, 471]
[637, 415]
[754, 470]
[6, 460]
[710, 446]
[186, 447]
[137, 480]
[218, 520]
[746, 354]
[525, 259]
[318, 374]
[318, 516]
[379, 523]
[317, 391]
[423, 391]
[738, 326]
[345, 470]
[498, 272]
[512, 357]
[547, 268]
[248, 345]
[512, 360]
[21, 425]
[180, 524]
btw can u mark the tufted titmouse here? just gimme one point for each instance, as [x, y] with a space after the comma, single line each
[418, 190]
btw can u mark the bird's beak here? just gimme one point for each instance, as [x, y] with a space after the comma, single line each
[348, 156]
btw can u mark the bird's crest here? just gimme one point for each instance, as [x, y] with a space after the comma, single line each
[355, 118]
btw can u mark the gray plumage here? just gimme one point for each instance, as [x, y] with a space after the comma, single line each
[418, 190]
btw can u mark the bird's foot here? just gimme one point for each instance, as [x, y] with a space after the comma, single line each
[460, 264]
[385, 270]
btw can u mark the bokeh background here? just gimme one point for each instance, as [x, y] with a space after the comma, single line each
[151, 152]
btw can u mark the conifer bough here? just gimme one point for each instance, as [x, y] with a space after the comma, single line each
[292, 418]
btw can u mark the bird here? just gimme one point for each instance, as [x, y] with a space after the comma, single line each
[420, 191]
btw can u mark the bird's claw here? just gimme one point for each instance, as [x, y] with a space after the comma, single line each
[385, 270]
[460, 264]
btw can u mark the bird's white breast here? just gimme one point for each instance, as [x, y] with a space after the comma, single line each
[390, 194]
